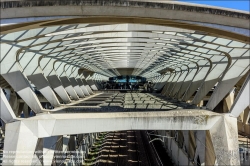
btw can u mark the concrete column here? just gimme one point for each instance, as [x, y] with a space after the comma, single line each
[33, 71]
[56, 84]
[246, 115]
[92, 84]
[225, 142]
[38, 156]
[179, 83]
[68, 87]
[26, 111]
[236, 71]
[77, 77]
[185, 85]
[59, 67]
[161, 82]
[173, 83]
[84, 89]
[166, 83]
[183, 88]
[49, 145]
[6, 112]
[221, 91]
[14, 102]
[20, 109]
[43, 86]
[242, 99]
[81, 155]
[87, 86]
[7, 91]
[47, 66]
[72, 77]
[211, 78]
[90, 78]
[203, 90]
[165, 89]
[91, 141]
[88, 82]
[186, 140]
[197, 81]
[190, 91]
[12, 73]
[77, 88]
[65, 142]
[22, 141]
[200, 149]
[22, 86]
[228, 101]
[72, 143]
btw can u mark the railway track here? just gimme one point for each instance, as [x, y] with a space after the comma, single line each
[127, 148]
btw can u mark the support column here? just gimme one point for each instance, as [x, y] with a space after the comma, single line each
[38, 156]
[174, 82]
[20, 140]
[20, 109]
[84, 89]
[6, 112]
[212, 78]
[47, 66]
[59, 68]
[242, 99]
[196, 82]
[179, 83]
[71, 74]
[30, 65]
[169, 82]
[58, 87]
[61, 148]
[246, 115]
[200, 149]
[65, 142]
[72, 143]
[161, 82]
[21, 85]
[165, 86]
[26, 111]
[228, 101]
[191, 89]
[203, 90]
[77, 87]
[77, 77]
[87, 87]
[68, 87]
[188, 80]
[92, 84]
[186, 140]
[221, 91]
[43, 86]
[49, 145]
[224, 135]
[14, 102]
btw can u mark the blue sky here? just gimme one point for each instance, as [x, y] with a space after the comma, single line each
[233, 4]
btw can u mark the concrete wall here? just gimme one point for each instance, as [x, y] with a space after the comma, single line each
[178, 155]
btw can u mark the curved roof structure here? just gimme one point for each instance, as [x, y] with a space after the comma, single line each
[165, 38]
[185, 49]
